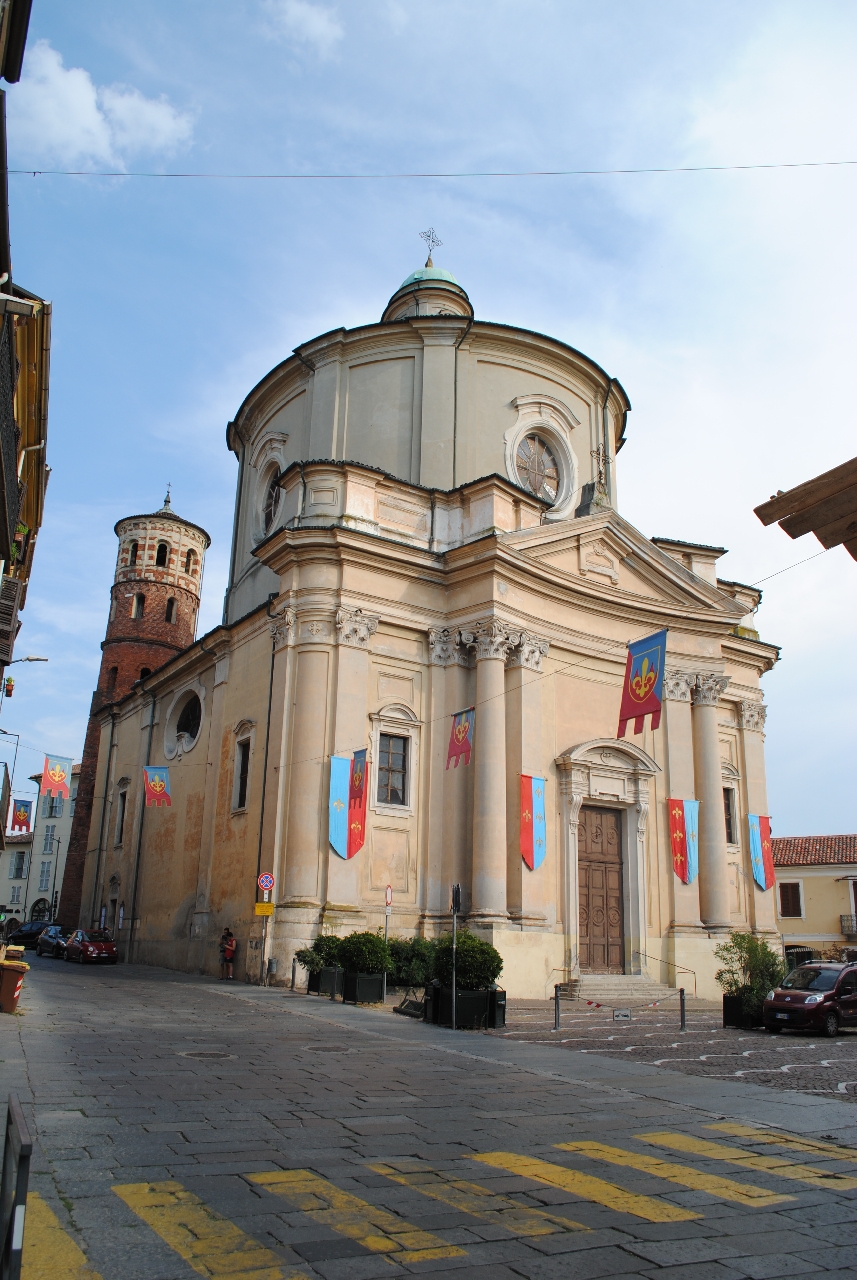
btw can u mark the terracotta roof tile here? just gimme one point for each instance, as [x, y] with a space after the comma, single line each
[807, 851]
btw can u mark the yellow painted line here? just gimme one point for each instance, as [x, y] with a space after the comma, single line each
[749, 1160]
[469, 1197]
[684, 1176]
[806, 1145]
[375, 1228]
[587, 1187]
[211, 1244]
[49, 1251]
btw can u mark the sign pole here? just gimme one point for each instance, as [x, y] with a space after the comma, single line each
[388, 911]
[456, 907]
[264, 908]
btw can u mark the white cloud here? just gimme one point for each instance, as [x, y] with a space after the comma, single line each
[58, 114]
[309, 24]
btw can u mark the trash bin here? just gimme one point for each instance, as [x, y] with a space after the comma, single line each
[273, 965]
[11, 980]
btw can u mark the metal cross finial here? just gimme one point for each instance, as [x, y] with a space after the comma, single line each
[602, 462]
[167, 498]
[432, 240]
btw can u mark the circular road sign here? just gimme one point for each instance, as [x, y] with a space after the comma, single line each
[389, 895]
[266, 882]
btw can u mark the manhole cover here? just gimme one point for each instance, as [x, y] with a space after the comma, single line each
[205, 1053]
[326, 1048]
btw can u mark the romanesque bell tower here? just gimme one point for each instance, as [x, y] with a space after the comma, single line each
[154, 603]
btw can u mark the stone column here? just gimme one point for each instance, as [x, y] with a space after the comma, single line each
[752, 716]
[530, 899]
[308, 764]
[491, 641]
[676, 723]
[713, 868]
[447, 802]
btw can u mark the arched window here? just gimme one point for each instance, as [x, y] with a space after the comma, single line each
[171, 609]
[145, 671]
[272, 501]
[189, 566]
[139, 606]
[162, 555]
[190, 718]
[111, 679]
[132, 558]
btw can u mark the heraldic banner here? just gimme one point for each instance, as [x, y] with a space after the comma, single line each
[357, 790]
[461, 737]
[340, 783]
[684, 838]
[22, 815]
[761, 854]
[644, 682]
[157, 786]
[533, 829]
[56, 776]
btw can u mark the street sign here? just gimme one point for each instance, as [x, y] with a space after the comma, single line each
[264, 908]
[266, 881]
[389, 895]
[621, 1015]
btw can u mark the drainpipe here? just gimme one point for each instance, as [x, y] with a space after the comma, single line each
[236, 517]
[103, 815]
[605, 431]
[131, 938]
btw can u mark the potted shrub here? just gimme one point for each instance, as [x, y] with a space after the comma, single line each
[413, 961]
[321, 961]
[479, 1002]
[751, 968]
[365, 957]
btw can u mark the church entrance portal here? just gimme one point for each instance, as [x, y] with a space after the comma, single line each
[602, 916]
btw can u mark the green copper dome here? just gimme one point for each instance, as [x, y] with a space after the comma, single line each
[429, 273]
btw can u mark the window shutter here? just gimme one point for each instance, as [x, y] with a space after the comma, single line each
[10, 593]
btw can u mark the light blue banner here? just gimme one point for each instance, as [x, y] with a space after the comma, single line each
[691, 831]
[340, 776]
[756, 851]
[540, 835]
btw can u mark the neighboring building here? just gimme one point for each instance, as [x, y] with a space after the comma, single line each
[14, 870]
[154, 603]
[816, 891]
[825, 506]
[52, 823]
[426, 520]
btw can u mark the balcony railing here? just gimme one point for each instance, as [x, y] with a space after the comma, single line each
[848, 925]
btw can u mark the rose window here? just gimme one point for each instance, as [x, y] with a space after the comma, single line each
[537, 468]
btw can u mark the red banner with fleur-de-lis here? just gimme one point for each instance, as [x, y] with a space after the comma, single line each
[357, 790]
[461, 737]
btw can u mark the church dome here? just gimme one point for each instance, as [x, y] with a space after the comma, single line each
[429, 273]
[430, 291]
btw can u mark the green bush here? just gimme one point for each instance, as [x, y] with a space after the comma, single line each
[751, 968]
[323, 952]
[413, 961]
[477, 963]
[310, 960]
[365, 953]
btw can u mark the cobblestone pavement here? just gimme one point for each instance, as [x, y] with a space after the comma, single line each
[186, 1127]
[792, 1060]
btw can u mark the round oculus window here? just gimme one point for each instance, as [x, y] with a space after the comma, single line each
[272, 501]
[190, 719]
[537, 468]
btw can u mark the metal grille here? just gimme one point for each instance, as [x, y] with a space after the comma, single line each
[8, 441]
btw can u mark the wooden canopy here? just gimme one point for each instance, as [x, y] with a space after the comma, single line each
[825, 506]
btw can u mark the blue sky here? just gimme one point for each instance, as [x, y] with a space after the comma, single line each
[723, 302]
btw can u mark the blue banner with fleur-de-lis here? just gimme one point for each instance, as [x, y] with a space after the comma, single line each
[533, 825]
[340, 776]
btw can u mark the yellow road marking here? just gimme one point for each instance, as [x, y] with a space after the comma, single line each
[725, 1188]
[587, 1187]
[469, 1197]
[807, 1145]
[49, 1251]
[210, 1243]
[375, 1228]
[749, 1160]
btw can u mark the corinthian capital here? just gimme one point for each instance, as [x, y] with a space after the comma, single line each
[753, 715]
[529, 652]
[490, 638]
[677, 685]
[445, 649]
[707, 689]
[354, 627]
[283, 626]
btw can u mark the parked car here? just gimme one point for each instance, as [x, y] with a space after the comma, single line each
[51, 941]
[94, 946]
[28, 934]
[819, 996]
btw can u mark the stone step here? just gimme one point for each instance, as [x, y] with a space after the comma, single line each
[620, 988]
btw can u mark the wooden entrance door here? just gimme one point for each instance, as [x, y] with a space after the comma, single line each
[599, 871]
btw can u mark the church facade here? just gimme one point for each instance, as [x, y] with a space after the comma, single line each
[426, 521]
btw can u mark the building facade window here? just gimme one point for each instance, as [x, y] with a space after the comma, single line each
[73, 799]
[190, 719]
[41, 910]
[48, 844]
[52, 806]
[170, 615]
[242, 774]
[17, 866]
[139, 606]
[729, 814]
[135, 549]
[145, 671]
[392, 769]
[15, 895]
[272, 501]
[162, 555]
[791, 906]
[111, 679]
[120, 815]
[537, 468]
[189, 562]
[44, 877]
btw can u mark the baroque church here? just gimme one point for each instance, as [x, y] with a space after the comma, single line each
[427, 520]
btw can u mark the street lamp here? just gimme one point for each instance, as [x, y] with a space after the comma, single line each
[31, 657]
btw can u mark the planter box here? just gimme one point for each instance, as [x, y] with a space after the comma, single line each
[323, 983]
[474, 1010]
[734, 1015]
[363, 988]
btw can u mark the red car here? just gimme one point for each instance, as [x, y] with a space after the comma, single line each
[818, 996]
[91, 946]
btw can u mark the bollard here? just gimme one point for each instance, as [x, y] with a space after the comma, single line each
[335, 979]
[683, 1009]
[294, 971]
[556, 1007]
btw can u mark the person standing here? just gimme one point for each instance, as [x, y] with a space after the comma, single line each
[228, 947]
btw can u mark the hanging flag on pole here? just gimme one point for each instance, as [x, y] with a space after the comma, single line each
[157, 782]
[22, 815]
[533, 829]
[761, 854]
[644, 681]
[340, 781]
[684, 838]
[461, 737]
[56, 776]
[357, 804]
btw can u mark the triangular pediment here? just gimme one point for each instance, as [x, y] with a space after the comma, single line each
[611, 557]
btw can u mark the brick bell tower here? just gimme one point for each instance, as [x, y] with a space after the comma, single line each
[154, 602]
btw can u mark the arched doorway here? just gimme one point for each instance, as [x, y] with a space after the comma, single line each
[601, 941]
[41, 910]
